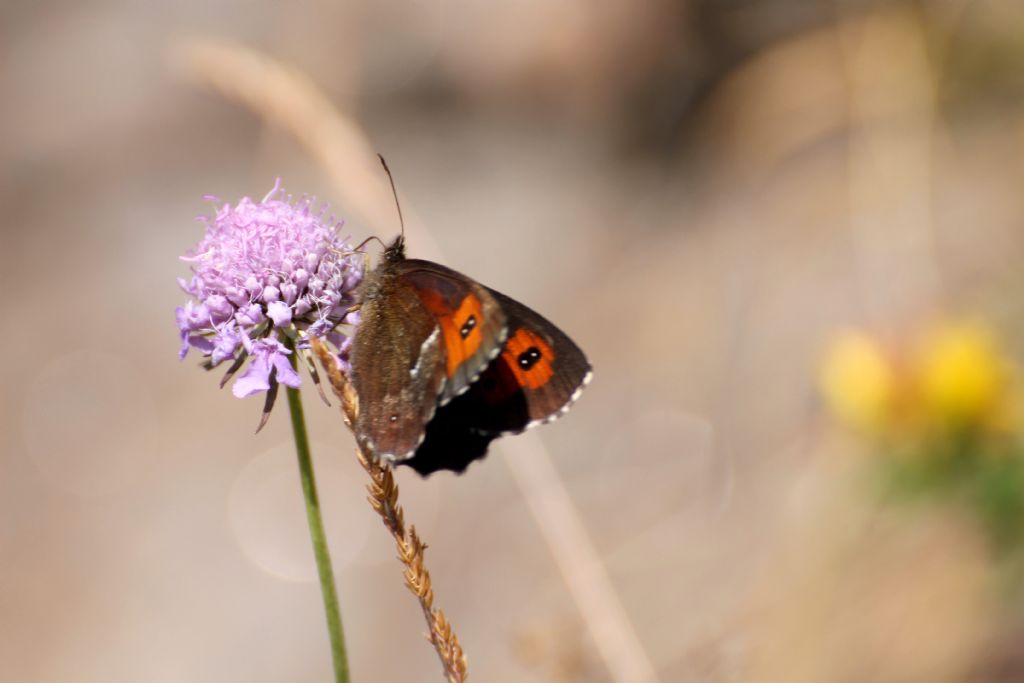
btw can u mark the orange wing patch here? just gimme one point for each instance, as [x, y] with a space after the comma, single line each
[461, 327]
[529, 357]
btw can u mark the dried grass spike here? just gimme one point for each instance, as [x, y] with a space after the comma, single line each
[383, 499]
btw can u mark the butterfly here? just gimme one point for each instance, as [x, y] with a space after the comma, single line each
[443, 365]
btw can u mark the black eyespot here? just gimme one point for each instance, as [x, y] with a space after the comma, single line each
[468, 327]
[528, 358]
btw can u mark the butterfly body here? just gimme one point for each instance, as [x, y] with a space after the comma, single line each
[442, 365]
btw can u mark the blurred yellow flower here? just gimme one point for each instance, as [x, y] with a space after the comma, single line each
[958, 376]
[963, 376]
[859, 382]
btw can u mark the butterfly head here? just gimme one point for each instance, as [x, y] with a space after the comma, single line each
[395, 251]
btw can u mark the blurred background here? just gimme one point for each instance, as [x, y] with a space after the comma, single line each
[700, 192]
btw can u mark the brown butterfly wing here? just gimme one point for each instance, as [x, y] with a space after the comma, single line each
[451, 443]
[396, 371]
[535, 379]
[426, 334]
[471, 322]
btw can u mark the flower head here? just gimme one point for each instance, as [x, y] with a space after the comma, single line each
[859, 381]
[964, 374]
[956, 376]
[265, 277]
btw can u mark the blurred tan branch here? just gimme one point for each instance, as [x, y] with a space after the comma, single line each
[892, 103]
[581, 566]
[287, 97]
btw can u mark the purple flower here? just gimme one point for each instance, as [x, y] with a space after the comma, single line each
[268, 355]
[266, 277]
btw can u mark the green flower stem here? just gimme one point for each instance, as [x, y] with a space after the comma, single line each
[316, 532]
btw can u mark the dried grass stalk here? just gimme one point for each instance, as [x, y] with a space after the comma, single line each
[384, 499]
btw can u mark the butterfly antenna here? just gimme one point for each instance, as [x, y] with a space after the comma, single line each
[359, 247]
[394, 193]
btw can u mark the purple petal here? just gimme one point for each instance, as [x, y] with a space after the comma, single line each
[237, 296]
[286, 374]
[225, 343]
[321, 327]
[280, 313]
[219, 306]
[289, 292]
[250, 315]
[181, 318]
[183, 351]
[344, 345]
[201, 343]
[192, 317]
[248, 344]
[300, 277]
[254, 380]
